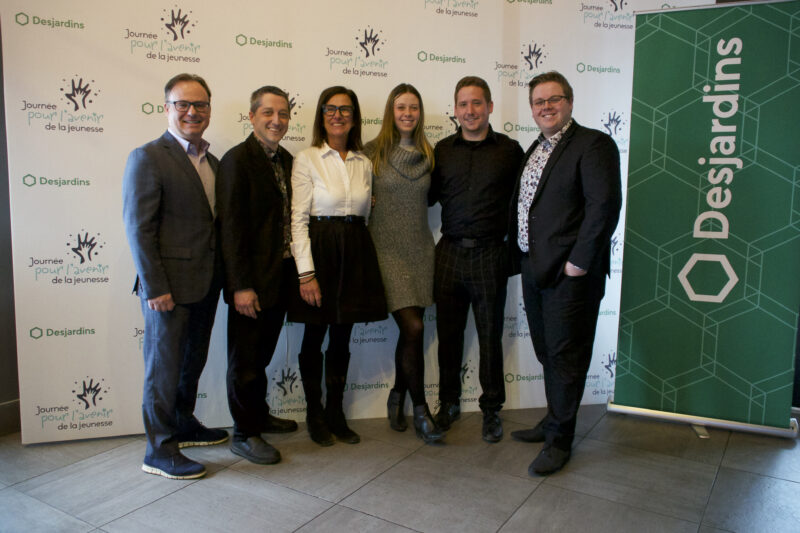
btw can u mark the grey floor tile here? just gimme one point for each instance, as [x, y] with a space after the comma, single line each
[676, 439]
[760, 454]
[378, 429]
[638, 478]
[18, 462]
[330, 473]
[429, 495]
[340, 518]
[742, 501]
[19, 512]
[555, 510]
[104, 487]
[225, 501]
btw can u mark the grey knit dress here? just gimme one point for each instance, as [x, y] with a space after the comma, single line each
[399, 228]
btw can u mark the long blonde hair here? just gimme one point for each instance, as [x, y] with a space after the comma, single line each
[389, 136]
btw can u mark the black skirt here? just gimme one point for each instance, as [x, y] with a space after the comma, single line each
[347, 271]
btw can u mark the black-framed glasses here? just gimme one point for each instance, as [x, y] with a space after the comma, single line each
[553, 100]
[184, 105]
[344, 110]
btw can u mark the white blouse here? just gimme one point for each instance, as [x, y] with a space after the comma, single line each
[324, 185]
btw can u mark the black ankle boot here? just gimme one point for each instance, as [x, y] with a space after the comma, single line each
[311, 376]
[394, 407]
[424, 425]
[336, 365]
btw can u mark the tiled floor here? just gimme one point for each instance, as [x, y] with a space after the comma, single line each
[626, 474]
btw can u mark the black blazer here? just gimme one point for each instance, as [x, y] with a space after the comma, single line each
[250, 218]
[575, 209]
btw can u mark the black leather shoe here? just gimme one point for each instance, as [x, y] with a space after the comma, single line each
[549, 460]
[535, 434]
[318, 430]
[492, 427]
[338, 426]
[394, 408]
[256, 450]
[424, 425]
[447, 414]
[273, 424]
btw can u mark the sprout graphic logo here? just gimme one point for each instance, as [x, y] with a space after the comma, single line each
[87, 394]
[612, 123]
[78, 93]
[618, 5]
[288, 381]
[84, 247]
[370, 41]
[532, 55]
[177, 23]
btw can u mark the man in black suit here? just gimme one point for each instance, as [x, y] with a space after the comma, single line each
[168, 211]
[254, 197]
[564, 211]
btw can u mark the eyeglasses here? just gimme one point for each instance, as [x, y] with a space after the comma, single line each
[553, 100]
[184, 105]
[344, 110]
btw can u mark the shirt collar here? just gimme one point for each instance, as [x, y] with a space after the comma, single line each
[188, 147]
[327, 151]
[267, 150]
[555, 138]
[491, 136]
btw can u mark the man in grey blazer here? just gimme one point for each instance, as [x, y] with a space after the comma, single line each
[564, 211]
[168, 210]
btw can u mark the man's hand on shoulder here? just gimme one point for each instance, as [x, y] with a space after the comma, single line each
[162, 303]
[246, 302]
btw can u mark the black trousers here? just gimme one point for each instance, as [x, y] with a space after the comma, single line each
[476, 277]
[251, 343]
[562, 320]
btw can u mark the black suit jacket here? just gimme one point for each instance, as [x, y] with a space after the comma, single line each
[168, 221]
[250, 217]
[576, 206]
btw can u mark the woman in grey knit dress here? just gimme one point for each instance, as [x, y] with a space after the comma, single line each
[402, 162]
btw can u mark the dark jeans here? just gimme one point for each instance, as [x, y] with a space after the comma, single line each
[251, 343]
[476, 277]
[175, 352]
[562, 320]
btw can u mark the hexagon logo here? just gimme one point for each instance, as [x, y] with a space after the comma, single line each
[29, 180]
[147, 108]
[683, 277]
[422, 56]
[21, 18]
[36, 333]
[508, 127]
[241, 39]
[580, 67]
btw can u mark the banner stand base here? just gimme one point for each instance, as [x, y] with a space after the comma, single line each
[789, 433]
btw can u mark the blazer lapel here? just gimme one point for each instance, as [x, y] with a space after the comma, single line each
[178, 155]
[553, 159]
[262, 167]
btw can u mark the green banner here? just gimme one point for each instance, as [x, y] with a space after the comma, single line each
[711, 272]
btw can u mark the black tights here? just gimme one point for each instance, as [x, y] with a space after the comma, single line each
[338, 340]
[408, 357]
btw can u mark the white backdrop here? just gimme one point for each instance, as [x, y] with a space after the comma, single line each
[84, 85]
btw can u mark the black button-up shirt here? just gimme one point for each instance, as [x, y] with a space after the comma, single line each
[474, 181]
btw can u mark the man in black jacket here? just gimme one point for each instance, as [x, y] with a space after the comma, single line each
[254, 198]
[564, 211]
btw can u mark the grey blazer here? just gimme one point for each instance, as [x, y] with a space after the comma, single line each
[168, 221]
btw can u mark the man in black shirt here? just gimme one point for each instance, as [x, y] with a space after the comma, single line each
[473, 180]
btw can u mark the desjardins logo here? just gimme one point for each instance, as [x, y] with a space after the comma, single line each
[23, 19]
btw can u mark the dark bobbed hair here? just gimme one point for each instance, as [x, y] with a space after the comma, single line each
[319, 133]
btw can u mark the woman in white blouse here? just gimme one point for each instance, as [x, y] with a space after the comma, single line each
[340, 283]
